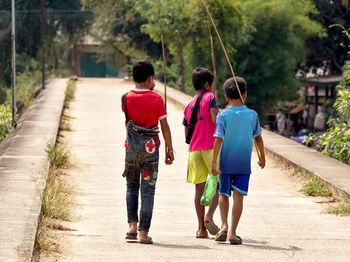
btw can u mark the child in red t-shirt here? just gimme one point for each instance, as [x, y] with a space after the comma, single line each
[143, 109]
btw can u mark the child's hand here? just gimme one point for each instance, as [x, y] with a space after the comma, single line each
[214, 169]
[261, 163]
[169, 158]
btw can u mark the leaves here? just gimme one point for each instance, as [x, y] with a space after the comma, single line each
[335, 142]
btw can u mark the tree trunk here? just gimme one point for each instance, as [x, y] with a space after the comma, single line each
[181, 68]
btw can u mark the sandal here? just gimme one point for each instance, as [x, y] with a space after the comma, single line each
[221, 236]
[131, 236]
[237, 241]
[198, 235]
[211, 227]
[146, 241]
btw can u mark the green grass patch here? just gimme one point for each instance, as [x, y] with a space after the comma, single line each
[314, 187]
[58, 156]
[342, 209]
[70, 93]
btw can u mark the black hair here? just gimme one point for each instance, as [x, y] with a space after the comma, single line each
[230, 88]
[200, 76]
[141, 70]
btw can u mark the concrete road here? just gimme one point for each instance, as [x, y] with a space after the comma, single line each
[278, 224]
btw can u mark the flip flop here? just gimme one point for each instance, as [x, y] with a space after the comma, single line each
[211, 227]
[236, 241]
[147, 241]
[201, 236]
[221, 236]
[131, 236]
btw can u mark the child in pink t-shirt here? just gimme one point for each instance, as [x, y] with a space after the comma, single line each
[201, 146]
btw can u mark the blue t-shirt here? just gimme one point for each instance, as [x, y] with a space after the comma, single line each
[237, 126]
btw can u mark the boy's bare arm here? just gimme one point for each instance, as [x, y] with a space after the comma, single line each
[214, 164]
[213, 113]
[186, 131]
[169, 153]
[260, 144]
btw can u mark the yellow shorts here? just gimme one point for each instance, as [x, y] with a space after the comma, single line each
[199, 166]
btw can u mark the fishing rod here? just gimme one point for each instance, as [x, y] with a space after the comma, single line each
[210, 17]
[163, 55]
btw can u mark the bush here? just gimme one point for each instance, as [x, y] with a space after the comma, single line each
[335, 142]
[5, 121]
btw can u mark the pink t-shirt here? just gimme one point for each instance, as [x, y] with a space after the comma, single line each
[202, 138]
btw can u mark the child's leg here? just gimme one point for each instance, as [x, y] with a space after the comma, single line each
[132, 199]
[236, 214]
[224, 206]
[212, 208]
[149, 174]
[200, 209]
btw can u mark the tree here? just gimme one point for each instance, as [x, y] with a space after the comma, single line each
[333, 46]
[118, 27]
[274, 49]
[63, 17]
[170, 19]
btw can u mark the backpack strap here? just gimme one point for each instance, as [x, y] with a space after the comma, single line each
[125, 107]
[193, 119]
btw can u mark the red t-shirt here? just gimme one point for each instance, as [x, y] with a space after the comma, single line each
[145, 108]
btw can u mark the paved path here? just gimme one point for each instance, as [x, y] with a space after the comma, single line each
[278, 222]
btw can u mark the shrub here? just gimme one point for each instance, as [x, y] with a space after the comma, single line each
[5, 121]
[335, 142]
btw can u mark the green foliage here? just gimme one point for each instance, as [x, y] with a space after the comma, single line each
[335, 142]
[5, 121]
[65, 23]
[334, 45]
[274, 48]
[265, 40]
[58, 157]
[314, 187]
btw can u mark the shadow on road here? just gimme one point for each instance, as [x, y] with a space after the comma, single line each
[181, 246]
[264, 245]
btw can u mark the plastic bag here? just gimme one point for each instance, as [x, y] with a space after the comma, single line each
[209, 190]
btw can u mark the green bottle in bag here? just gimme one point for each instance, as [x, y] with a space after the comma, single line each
[209, 190]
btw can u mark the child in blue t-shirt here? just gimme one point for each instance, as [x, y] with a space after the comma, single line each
[236, 127]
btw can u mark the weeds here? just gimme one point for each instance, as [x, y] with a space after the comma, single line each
[314, 187]
[56, 199]
[342, 209]
[45, 239]
[70, 93]
[58, 156]
[65, 125]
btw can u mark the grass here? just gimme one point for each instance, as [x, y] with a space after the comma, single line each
[342, 209]
[58, 156]
[314, 187]
[65, 125]
[70, 93]
[45, 239]
[56, 198]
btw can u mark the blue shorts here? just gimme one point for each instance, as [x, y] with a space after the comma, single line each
[236, 182]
